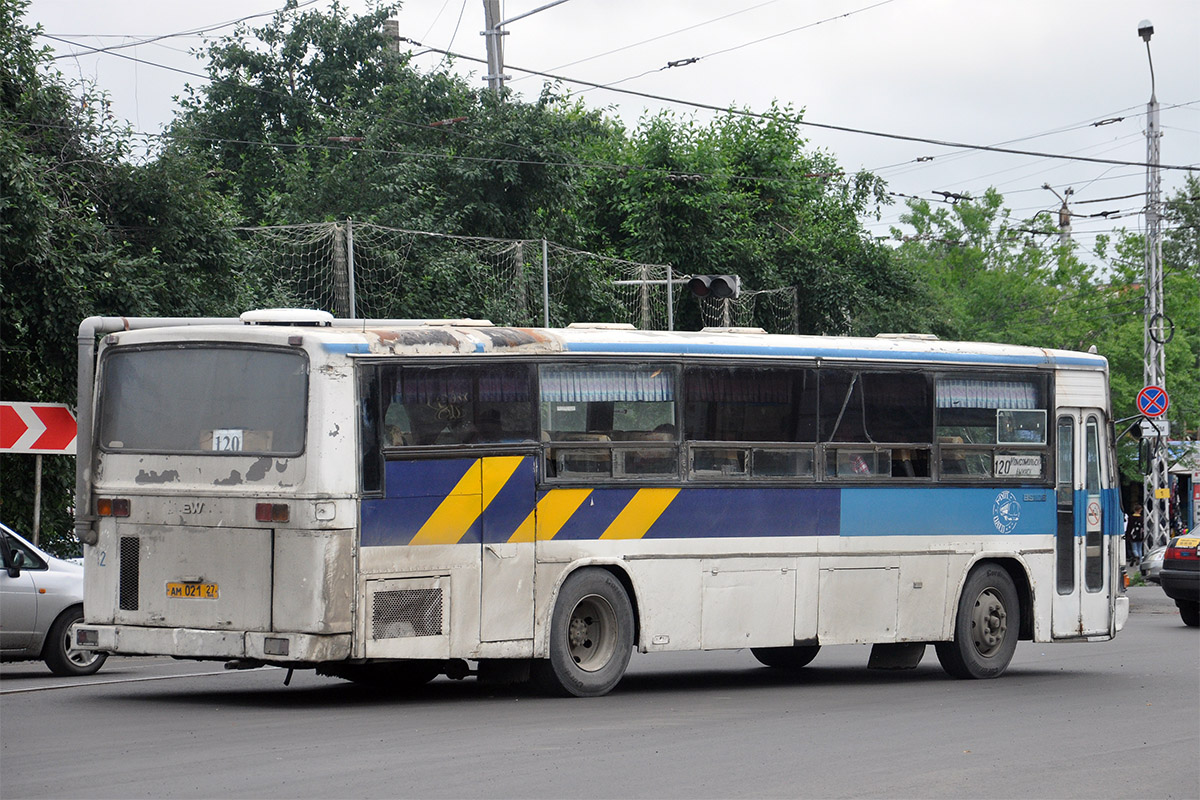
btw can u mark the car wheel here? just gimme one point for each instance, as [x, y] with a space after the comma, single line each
[786, 657]
[986, 628]
[61, 654]
[591, 636]
[1190, 614]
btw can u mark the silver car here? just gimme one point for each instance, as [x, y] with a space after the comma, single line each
[1151, 565]
[41, 597]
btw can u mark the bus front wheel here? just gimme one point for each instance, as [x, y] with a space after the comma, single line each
[591, 636]
[986, 628]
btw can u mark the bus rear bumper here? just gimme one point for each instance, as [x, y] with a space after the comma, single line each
[207, 644]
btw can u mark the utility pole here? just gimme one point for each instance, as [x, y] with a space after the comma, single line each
[493, 38]
[1156, 485]
[1064, 214]
[493, 32]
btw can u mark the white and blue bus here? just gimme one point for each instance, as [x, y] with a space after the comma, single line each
[391, 500]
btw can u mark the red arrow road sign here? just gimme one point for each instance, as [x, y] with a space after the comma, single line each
[47, 428]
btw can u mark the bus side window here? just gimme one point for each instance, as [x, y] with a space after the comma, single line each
[458, 405]
[369, 404]
[892, 412]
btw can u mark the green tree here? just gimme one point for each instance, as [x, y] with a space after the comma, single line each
[743, 195]
[993, 278]
[83, 232]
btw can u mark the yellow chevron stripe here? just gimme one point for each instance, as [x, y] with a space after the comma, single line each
[467, 500]
[457, 513]
[640, 513]
[551, 514]
[496, 472]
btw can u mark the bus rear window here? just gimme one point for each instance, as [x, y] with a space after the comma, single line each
[203, 400]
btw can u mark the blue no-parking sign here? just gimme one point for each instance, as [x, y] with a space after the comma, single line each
[1153, 401]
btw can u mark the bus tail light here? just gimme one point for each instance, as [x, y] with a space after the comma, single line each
[271, 512]
[112, 506]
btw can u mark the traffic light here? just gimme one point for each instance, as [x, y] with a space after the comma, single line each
[718, 286]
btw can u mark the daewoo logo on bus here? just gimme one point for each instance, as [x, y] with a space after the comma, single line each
[535, 504]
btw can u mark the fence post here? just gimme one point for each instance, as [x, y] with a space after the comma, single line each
[350, 266]
[670, 298]
[340, 289]
[545, 283]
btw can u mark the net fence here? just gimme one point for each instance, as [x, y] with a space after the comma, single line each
[355, 269]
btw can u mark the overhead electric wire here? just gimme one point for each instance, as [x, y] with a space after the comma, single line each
[189, 32]
[822, 125]
[653, 38]
[711, 107]
[693, 59]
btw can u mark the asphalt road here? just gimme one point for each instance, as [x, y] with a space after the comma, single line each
[1116, 719]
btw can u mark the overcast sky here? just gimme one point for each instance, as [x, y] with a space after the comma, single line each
[1029, 74]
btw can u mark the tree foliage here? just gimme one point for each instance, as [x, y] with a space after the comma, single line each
[83, 232]
[993, 278]
[743, 195]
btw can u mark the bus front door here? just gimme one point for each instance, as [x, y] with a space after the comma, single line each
[1083, 584]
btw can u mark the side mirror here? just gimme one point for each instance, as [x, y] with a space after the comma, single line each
[18, 561]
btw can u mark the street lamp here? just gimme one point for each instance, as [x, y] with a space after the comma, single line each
[1156, 486]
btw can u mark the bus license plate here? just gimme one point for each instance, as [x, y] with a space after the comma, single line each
[195, 591]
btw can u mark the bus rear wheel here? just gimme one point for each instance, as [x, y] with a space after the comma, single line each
[986, 628]
[793, 657]
[591, 636]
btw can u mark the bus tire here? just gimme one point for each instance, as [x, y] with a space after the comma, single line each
[793, 657]
[986, 628]
[1189, 612]
[591, 636]
[60, 653]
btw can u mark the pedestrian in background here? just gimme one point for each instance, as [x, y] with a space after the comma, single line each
[1133, 535]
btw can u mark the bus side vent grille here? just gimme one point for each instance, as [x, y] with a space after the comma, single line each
[130, 552]
[404, 613]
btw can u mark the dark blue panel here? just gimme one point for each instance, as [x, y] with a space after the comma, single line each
[432, 478]
[721, 512]
[390, 521]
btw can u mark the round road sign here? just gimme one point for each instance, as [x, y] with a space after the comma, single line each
[1153, 401]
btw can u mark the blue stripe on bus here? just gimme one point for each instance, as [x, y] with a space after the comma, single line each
[1110, 508]
[396, 520]
[947, 511]
[413, 490]
[695, 348]
[596, 513]
[724, 513]
[346, 348]
[432, 478]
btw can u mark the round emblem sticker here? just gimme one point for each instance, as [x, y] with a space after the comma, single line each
[1006, 512]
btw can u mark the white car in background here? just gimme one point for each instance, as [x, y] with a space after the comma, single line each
[41, 598]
